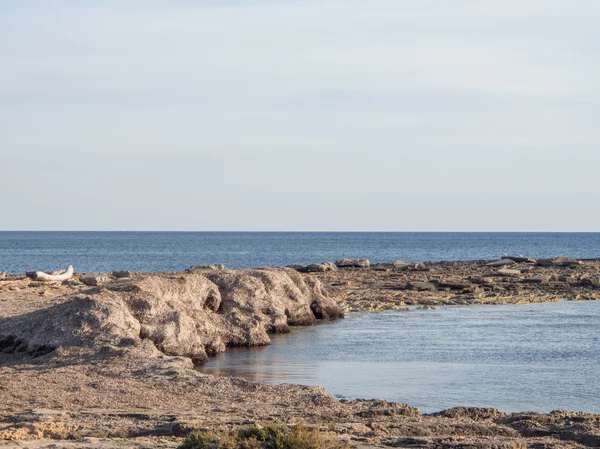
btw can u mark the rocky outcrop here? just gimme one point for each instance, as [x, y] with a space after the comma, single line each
[187, 315]
[353, 263]
[94, 279]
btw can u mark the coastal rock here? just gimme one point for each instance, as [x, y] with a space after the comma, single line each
[455, 284]
[122, 274]
[421, 286]
[417, 267]
[559, 262]
[182, 315]
[541, 279]
[94, 279]
[207, 266]
[506, 272]
[382, 267]
[353, 263]
[321, 267]
[520, 259]
[3, 274]
[299, 268]
[501, 263]
[474, 413]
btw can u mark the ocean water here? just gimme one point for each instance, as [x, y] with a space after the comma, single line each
[160, 251]
[529, 357]
[532, 357]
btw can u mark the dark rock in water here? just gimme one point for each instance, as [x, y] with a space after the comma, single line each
[421, 286]
[353, 263]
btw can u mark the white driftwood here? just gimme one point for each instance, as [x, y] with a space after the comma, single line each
[55, 277]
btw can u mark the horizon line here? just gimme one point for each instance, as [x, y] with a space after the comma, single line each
[307, 231]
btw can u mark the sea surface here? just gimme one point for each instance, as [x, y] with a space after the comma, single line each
[532, 357]
[160, 251]
[514, 357]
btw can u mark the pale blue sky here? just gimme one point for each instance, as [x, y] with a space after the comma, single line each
[300, 115]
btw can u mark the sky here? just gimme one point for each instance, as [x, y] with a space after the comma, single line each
[341, 115]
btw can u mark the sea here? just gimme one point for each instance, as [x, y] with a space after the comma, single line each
[530, 357]
[160, 251]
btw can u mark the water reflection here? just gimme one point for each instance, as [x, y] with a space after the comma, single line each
[530, 357]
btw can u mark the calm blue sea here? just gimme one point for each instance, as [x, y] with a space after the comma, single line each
[529, 357]
[160, 251]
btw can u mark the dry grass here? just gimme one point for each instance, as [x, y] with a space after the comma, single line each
[273, 436]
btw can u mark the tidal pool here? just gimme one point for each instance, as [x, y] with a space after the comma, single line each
[532, 357]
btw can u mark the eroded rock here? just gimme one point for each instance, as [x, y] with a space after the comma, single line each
[186, 315]
[353, 263]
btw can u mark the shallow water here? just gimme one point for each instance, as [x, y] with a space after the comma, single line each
[534, 357]
[165, 251]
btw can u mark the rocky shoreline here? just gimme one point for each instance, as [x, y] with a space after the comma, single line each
[393, 286]
[106, 359]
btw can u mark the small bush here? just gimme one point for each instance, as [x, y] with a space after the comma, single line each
[273, 436]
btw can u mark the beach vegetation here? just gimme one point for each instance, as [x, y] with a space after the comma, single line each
[272, 436]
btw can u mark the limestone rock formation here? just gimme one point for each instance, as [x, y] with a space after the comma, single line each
[187, 315]
[321, 267]
[94, 279]
[353, 263]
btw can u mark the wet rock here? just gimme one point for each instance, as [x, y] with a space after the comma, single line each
[94, 279]
[122, 274]
[353, 263]
[426, 308]
[420, 286]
